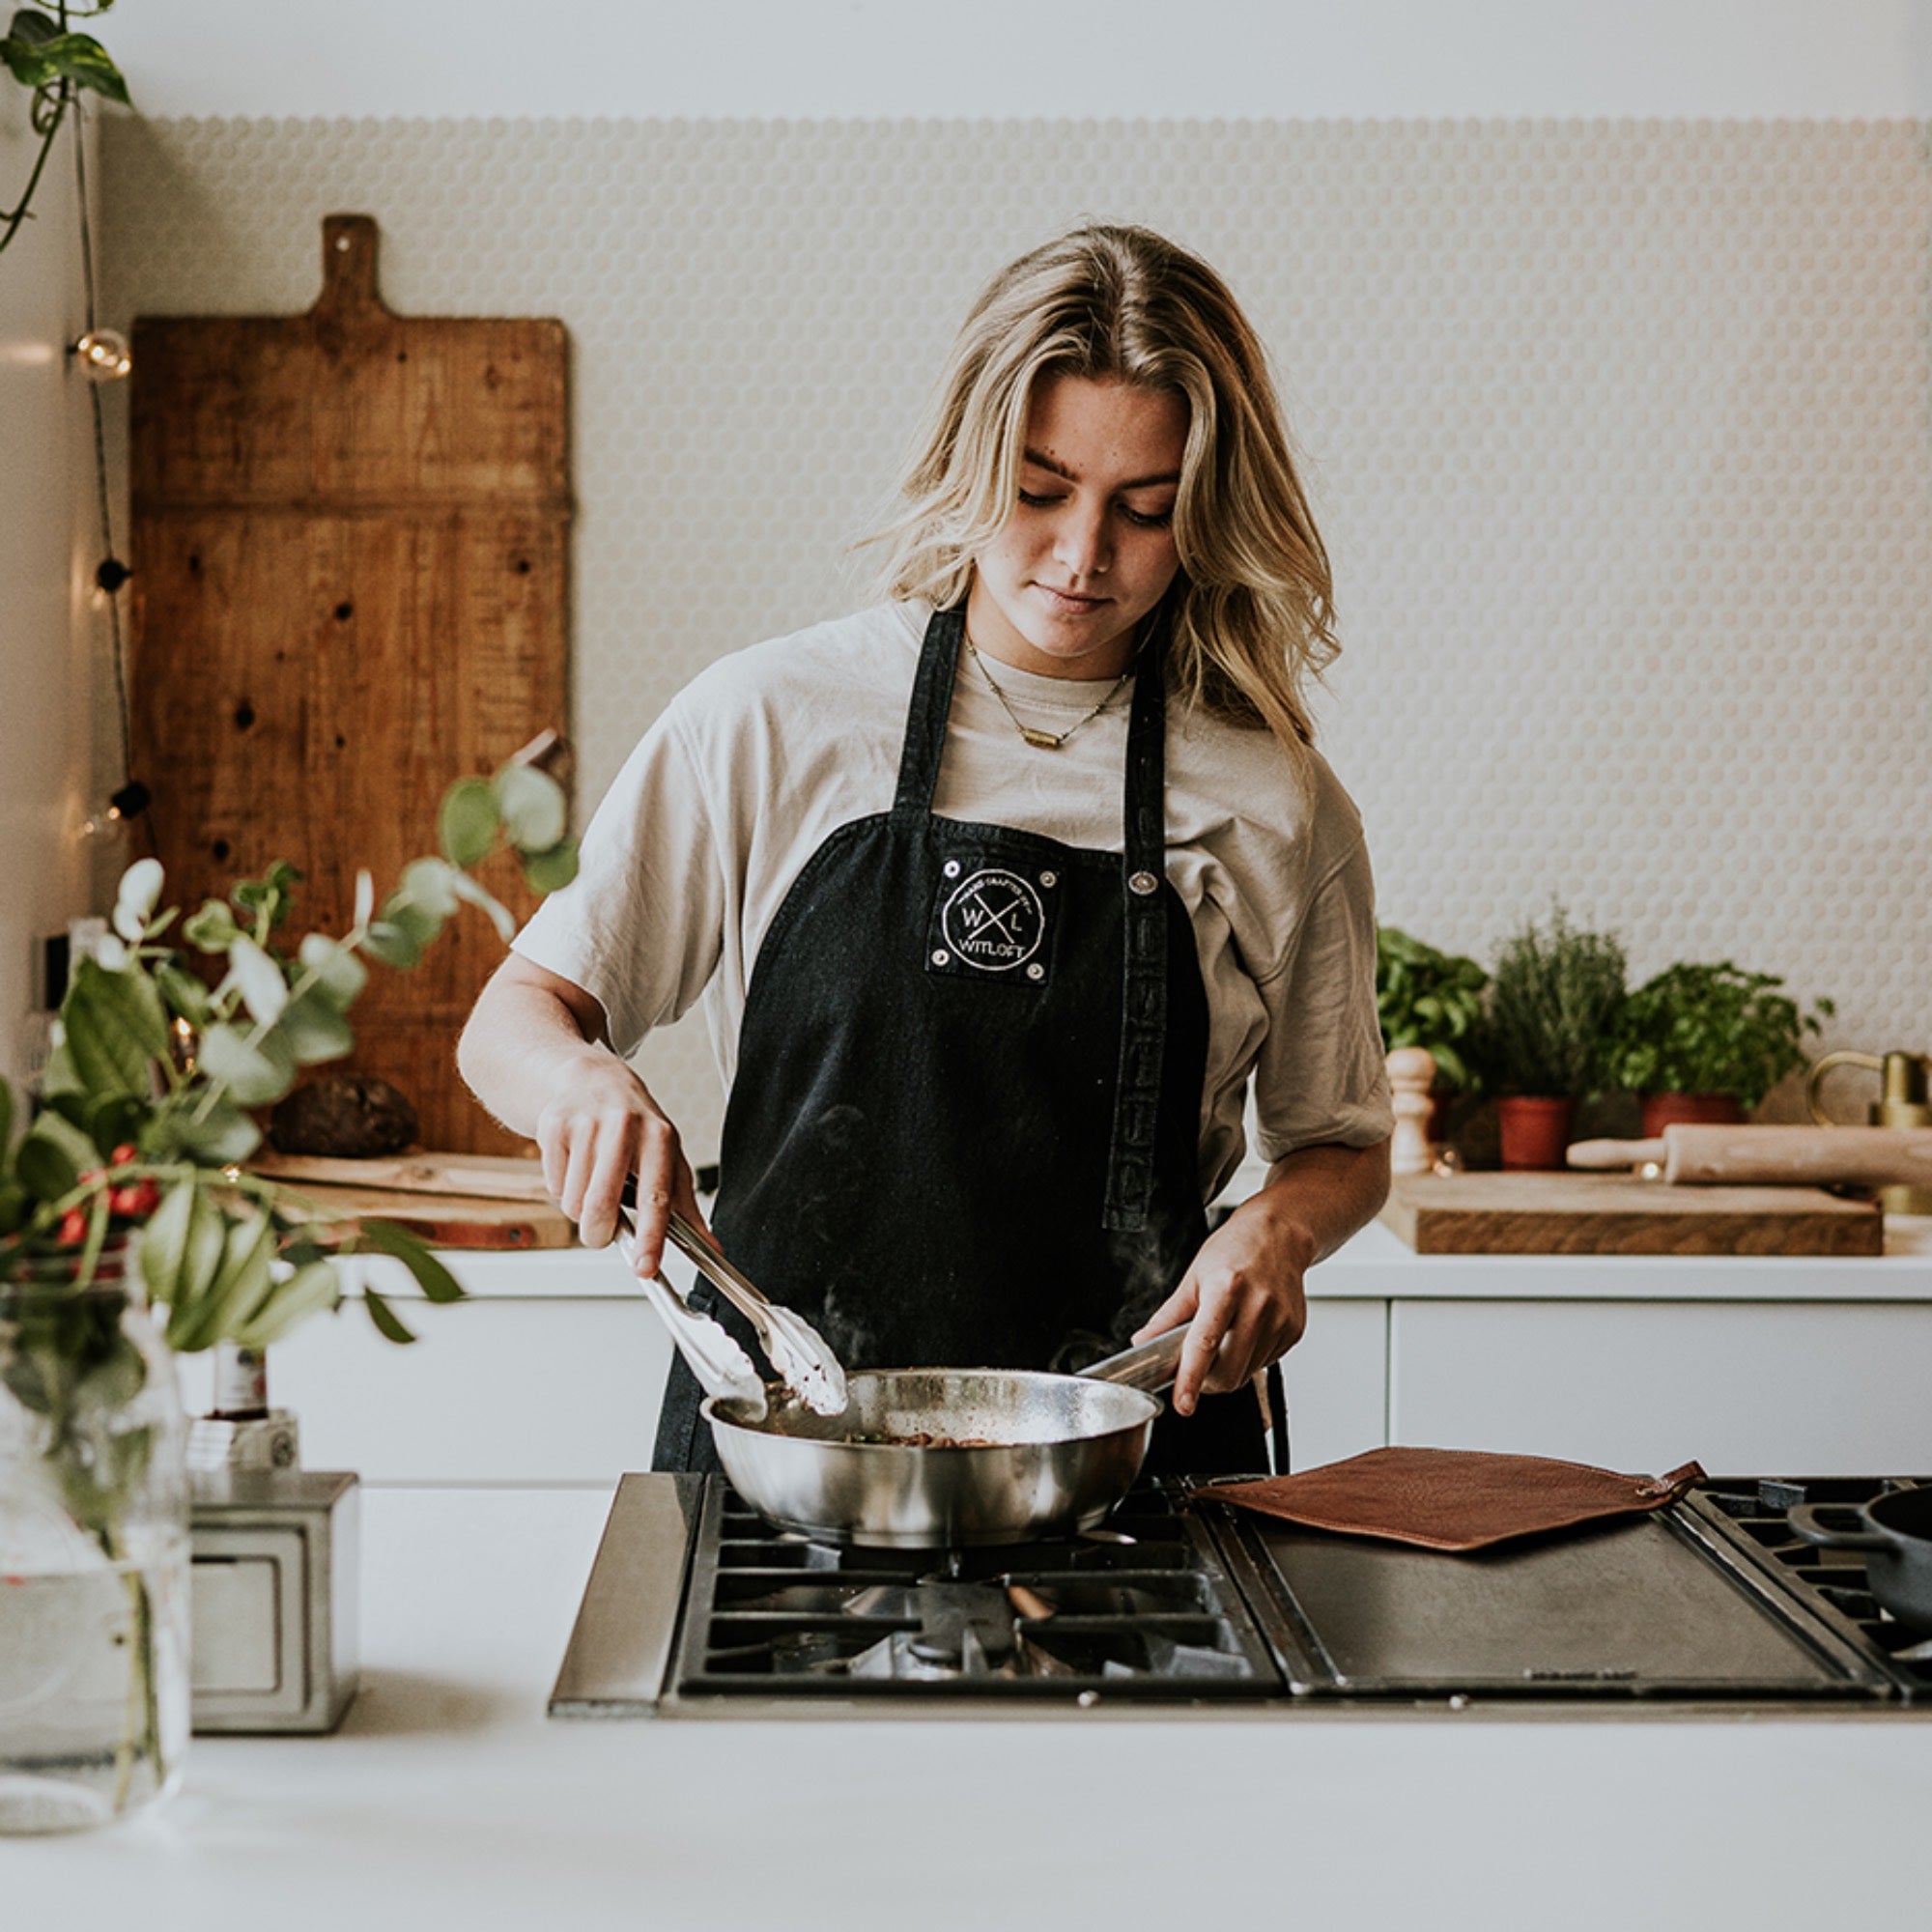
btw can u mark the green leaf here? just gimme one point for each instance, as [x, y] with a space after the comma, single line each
[429, 886]
[393, 944]
[468, 821]
[203, 1248]
[338, 970]
[535, 811]
[34, 29]
[240, 1285]
[264, 990]
[255, 1072]
[551, 871]
[163, 1246]
[435, 1280]
[314, 1030]
[212, 929]
[183, 993]
[384, 1317]
[467, 889]
[311, 1289]
[116, 1029]
[403, 932]
[117, 1120]
[270, 896]
[223, 1137]
[6, 1120]
[38, 57]
[53, 1155]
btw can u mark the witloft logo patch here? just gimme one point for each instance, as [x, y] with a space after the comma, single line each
[994, 921]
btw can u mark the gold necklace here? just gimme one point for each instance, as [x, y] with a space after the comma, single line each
[1046, 741]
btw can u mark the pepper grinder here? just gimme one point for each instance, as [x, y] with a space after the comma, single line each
[1411, 1071]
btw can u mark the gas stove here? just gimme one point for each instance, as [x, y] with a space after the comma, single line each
[697, 1606]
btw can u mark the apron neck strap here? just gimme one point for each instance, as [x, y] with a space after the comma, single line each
[1145, 842]
[931, 706]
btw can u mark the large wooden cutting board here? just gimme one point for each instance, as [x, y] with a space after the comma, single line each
[1615, 1214]
[349, 547]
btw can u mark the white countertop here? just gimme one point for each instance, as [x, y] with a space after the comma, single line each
[1375, 1264]
[449, 1799]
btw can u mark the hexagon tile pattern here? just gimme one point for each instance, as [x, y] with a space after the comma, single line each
[1618, 431]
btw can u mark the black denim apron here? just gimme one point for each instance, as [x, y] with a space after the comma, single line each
[965, 1126]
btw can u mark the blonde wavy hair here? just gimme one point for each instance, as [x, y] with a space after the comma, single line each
[1250, 611]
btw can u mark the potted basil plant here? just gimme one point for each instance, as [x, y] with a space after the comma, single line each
[1431, 999]
[1708, 1043]
[1553, 998]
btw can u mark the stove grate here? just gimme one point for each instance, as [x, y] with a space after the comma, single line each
[1832, 1580]
[1143, 1608]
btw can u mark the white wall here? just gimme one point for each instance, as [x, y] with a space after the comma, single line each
[45, 445]
[1869, 59]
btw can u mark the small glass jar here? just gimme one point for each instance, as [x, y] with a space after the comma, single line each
[94, 1550]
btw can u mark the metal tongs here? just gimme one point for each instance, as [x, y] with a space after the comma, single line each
[800, 1354]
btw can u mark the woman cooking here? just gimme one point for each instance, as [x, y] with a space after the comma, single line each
[1001, 893]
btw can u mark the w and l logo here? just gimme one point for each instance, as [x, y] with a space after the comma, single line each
[994, 921]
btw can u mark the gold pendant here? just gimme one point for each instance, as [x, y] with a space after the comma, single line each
[1043, 741]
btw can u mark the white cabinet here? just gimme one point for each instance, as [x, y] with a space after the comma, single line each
[554, 1389]
[1743, 1387]
[552, 1371]
[1337, 1382]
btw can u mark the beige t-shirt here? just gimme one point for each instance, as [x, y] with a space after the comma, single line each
[768, 751]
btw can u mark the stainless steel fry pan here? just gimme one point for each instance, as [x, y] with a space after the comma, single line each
[928, 1459]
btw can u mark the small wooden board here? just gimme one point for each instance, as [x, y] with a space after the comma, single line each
[455, 1200]
[448, 1220]
[1521, 1214]
[485, 1177]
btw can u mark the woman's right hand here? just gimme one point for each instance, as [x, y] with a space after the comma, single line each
[534, 1053]
[594, 1137]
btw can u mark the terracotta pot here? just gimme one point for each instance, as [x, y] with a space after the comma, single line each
[1534, 1128]
[1717, 1110]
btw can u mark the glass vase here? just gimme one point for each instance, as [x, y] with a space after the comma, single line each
[94, 1552]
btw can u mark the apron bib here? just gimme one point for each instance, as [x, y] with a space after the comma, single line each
[964, 1129]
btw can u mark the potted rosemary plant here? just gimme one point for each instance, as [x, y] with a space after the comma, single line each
[1553, 998]
[128, 1228]
[1708, 1043]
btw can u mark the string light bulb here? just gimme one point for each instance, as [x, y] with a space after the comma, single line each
[130, 802]
[104, 355]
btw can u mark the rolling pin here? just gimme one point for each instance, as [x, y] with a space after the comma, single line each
[1790, 1156]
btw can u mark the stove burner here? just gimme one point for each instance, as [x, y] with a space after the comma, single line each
[1759, 1509]
[1145, 1609]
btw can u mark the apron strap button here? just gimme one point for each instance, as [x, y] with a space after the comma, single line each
[1142, 883]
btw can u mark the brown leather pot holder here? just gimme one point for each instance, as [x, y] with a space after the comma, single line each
[1455, 1500]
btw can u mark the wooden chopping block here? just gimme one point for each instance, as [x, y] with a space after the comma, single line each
[1552, 1213]
[350, 538]
[1812, 1156]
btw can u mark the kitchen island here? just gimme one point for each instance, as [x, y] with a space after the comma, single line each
[449, 1798]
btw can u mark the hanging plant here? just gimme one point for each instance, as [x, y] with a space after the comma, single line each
[47, 57]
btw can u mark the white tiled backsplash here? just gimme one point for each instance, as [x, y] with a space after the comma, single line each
[1618, 433]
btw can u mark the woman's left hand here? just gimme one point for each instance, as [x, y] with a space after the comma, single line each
[1244, 1292]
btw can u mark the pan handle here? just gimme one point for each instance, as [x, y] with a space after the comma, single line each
[1805, 1521]
[1150, 1366]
